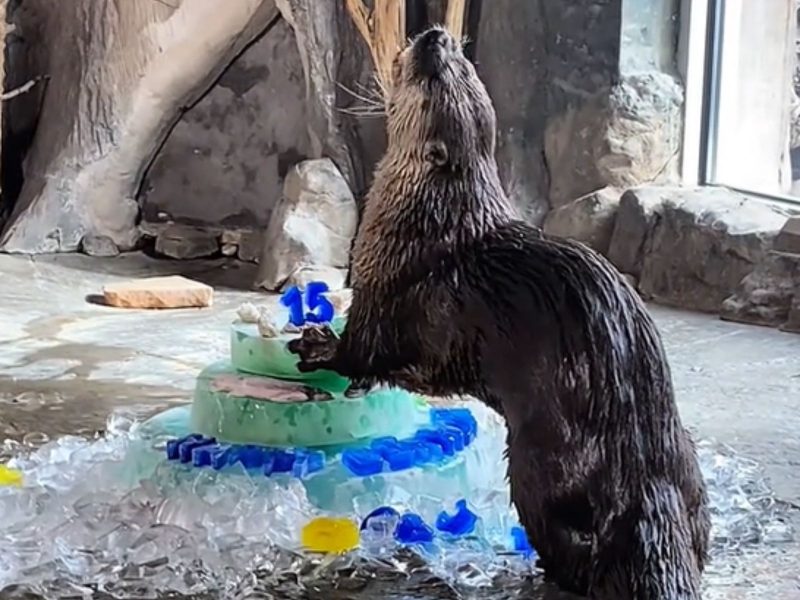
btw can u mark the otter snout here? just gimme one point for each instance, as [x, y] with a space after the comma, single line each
[432, 49]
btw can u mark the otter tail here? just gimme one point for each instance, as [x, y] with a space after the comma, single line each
[648, 553]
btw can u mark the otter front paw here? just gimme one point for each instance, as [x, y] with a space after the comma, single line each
[316, 348]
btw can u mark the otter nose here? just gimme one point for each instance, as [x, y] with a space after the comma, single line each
[432, 51]
[438, 38]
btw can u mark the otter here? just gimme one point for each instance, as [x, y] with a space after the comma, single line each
[454, 294]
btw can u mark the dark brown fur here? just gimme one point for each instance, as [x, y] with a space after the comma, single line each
[454, 294]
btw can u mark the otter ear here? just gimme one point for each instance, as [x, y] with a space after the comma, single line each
[435, 152]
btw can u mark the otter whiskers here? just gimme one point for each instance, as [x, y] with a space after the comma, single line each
[373, 103]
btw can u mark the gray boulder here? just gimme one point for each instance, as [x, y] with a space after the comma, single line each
[100, 246]
[765, 296]
[692, 247]
[589, 219]
[312, 225]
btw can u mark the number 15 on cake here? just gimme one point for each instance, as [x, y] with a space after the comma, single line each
[320, 309]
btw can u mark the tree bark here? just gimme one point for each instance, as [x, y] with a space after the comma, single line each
[337, 67]
[2, 78]
[384, 31]
[121, 72]
[455, 18]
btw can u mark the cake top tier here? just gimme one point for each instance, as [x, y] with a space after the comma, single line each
[296, 309]
[260, 335]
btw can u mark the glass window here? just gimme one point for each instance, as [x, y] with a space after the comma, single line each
[754, 110]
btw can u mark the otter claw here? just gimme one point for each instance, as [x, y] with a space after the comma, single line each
[295, 346]
[318, 334]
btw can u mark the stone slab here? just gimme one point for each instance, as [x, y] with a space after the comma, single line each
[159, 292]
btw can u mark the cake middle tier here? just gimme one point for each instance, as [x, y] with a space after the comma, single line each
[243, 408]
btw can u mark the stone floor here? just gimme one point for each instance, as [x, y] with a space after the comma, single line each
[66, 361]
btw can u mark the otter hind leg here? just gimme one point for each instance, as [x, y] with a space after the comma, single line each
[565, 557]
[561, 535]
[696, 500]
[647, 552]
[700, 526]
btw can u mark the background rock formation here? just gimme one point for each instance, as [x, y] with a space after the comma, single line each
[124, 128]
[225, 160]
[120, 73]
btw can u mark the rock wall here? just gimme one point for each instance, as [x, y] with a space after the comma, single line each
[225, 160]
[691, 247]
[626, 136]
[135, 139]
[586, 95]
[119, 75]
[510, 53]
[337, 69]
[770, 294]
[285, 99]
[649, 35]
[709, 249]
[575, 113]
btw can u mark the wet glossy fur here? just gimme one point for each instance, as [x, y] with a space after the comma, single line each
[454, 294]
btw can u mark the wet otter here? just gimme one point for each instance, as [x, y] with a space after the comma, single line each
[454, 294]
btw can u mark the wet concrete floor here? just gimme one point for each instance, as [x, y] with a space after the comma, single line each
[66, 362]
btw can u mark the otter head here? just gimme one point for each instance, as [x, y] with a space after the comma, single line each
[438, 109]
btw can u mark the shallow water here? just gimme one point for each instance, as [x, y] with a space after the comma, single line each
[82, 528]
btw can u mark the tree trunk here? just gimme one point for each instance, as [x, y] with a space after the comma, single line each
[337, 69]
[121, 72]
[2, 78]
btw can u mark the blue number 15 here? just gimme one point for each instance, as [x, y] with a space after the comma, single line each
[320, 308]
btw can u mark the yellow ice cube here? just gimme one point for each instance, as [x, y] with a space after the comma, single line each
[329, 535]
[10, 477]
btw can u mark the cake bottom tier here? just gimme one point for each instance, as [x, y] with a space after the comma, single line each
[331, 483]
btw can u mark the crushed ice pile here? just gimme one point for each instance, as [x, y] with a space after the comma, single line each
[744, 511]
[78, 527]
